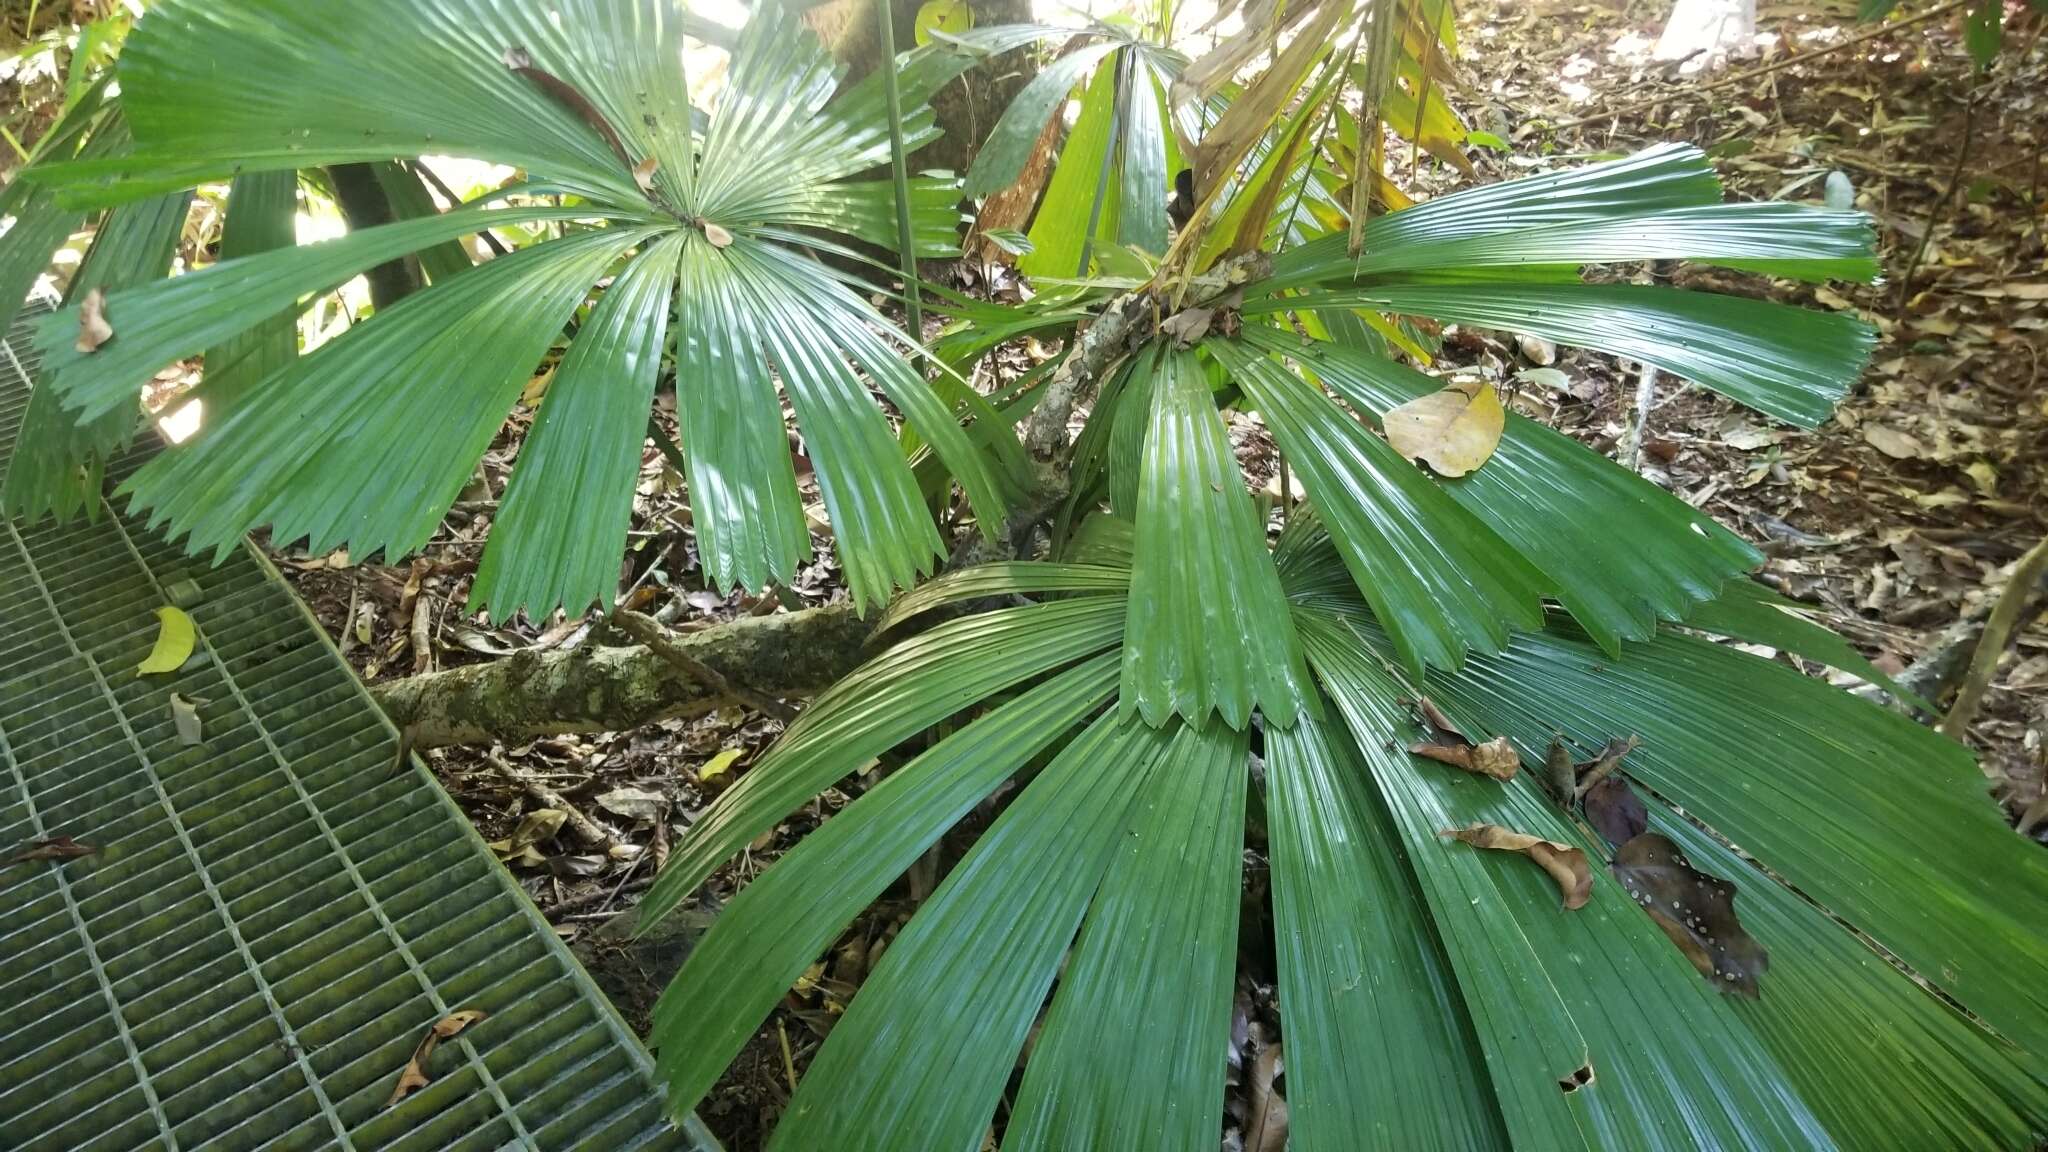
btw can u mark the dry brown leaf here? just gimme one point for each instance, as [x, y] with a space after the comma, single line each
[719, 237]
[455, 1022]
[413, 1076]
[1496, 757]
[410, 1080]
[53, 848]
[1696, 910]
[1453, 431]
[93, 329]
[1892, 442]
[1188, 325]
[1265, 1109]
[1615, 811]
[643, 174]
[1566, 864]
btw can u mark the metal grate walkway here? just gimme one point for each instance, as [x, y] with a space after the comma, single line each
[271, 919]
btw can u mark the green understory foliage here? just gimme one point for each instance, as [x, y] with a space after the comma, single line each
[1720, 905]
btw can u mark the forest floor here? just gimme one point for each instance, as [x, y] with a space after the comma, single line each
[1894, 520]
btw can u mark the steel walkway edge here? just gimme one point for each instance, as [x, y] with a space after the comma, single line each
[268, 921]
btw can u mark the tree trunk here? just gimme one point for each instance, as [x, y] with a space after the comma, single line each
[967, 108]
[364, 205]
[617, 689]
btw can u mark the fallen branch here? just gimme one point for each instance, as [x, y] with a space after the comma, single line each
[2019, 591]
[663, 643]
[533, 694]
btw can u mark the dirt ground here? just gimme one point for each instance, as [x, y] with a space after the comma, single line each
[1894, 520]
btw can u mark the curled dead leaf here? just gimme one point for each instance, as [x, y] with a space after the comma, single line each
[1453, 431]
[53, 848]
[1560, 773]
[1695, 910]
[93, 328]
[1496, 757]
[185, 717]
[643, 174]
[1566, 864]
[413, 1076]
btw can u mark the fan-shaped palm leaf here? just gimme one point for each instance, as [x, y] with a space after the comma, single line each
[592, 97]
[1432, 995]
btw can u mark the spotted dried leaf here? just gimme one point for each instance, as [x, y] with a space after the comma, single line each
[1566, 864]
[1695, 910]
[1453, 431]
[93, 328]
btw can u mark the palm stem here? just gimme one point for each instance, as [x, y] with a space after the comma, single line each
[899, 166]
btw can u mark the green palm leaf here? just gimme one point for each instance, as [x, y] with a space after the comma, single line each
[1661, 203]
[592, 96]
[1552, 991]
[347, 446]
[1380, 1051]
[1207, 618]
[562, 525]
[928, 679]
[1746, 610]
[1859, 808]
[1132, 1051]
[157, 323]
[781, 921]
[58, 462]
[1440, 576]
[991, 936]
[1004, 578]
[1002, 157]
[1620, 553]
[1791, 363]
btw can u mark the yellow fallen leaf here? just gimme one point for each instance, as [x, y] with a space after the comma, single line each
[719, 764]
[1453, 431]
[174, 639]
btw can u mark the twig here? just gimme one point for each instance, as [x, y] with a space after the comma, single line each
[1753, 73]
[1934, 214]
[1604, 765]
[587, 830]
[579, 902]
[1632, 444]
[659, 642]
[1997, 631]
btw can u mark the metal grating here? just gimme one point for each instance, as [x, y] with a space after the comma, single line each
[274, 917]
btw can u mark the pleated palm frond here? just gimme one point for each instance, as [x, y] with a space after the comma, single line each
[367, 440]
[1453, 566]
[1431, 995]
